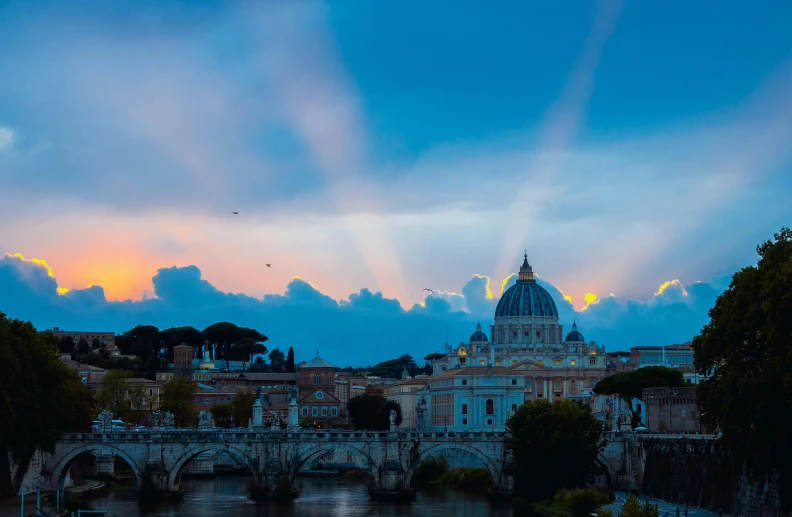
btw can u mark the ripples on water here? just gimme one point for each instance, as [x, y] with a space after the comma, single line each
[228, 497]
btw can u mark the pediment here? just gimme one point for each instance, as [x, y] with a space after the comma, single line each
[327, 398]
[528, 365]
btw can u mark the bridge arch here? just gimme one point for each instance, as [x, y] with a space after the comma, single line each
[437, 450]
[174, 475]
[311, 451]
[62, 464]
[608, 471]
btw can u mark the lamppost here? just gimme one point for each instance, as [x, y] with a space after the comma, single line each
[445, 421]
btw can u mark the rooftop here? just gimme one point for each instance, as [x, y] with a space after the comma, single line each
[474, 370]
[316, 362]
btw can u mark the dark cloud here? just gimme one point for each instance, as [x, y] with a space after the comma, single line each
[363, 329]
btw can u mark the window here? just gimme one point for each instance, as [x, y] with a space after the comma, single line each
[314, 411]
[514, 408]
[462, 360]
[539, 362]
[557, 384]
[592, 360]
[464, 421]
[572, 362]
[464, 409]
[481, 361]
[464, 382]
[324, 410]
[317, 379]
[637, 409]
[556, 362]
[489, 421]
[514, 361]
[528, 386]
[526, 333]
[334, 411]
[305, 411]
[514, 382]
[490, 407]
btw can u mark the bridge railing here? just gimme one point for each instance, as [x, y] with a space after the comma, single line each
[185, 435]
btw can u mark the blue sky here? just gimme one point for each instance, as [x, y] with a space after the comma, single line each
[389, 147]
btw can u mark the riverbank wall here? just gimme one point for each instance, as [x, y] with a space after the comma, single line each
[702, 474]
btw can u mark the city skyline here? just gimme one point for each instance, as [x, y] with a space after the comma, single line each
[372, 153]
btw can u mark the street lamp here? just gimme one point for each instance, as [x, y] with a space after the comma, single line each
[445, 420]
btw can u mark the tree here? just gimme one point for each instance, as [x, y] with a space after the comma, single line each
[435, 356]
[248, 347]
[221, 414]
[66, 345]
[175, 336]
[372, 412]
[40, 398]
[222, 333]
[83, 347]
[178, 397]
[242, 407]
[290, 360]
[142, 341]
[629, 385]
[95, 344]
[393, 368]
[113, 395]
[555, 445]
[745, 355]
[277, 360]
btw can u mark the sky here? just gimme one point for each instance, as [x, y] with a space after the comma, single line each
[637, 152]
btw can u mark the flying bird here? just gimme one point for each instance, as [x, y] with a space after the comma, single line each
[235, 213]
[427, 289]
[268, 265]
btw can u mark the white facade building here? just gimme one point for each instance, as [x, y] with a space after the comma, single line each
[475, 398]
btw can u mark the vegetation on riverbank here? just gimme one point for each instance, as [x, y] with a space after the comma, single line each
[435, 473]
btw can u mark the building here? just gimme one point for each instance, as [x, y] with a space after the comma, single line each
[405, 393]
[317, 400]
[671, 356]
[348, 387]
[105, 338]
[183, 360]
[672, 410]
[527, 337]
[475, 398]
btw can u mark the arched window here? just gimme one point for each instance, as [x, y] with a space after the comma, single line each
[490, 407]
[317, 379]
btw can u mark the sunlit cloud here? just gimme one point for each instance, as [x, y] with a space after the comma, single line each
[589, 298]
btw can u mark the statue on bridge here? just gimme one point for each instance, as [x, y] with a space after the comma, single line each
[292, 394]
[204, 420]
[105, 419]
[167, 419]
[274, 420]
[392, 417]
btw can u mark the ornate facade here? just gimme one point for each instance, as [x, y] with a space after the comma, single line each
[528, 338]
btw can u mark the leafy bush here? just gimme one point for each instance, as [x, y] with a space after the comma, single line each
[429, 472]
[633, 508]
[582, 501]
[467, 479]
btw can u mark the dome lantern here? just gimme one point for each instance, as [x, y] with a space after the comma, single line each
[526, 271]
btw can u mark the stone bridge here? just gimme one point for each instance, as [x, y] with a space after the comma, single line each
[275, 456]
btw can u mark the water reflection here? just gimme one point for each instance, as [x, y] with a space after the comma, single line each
[227, 497]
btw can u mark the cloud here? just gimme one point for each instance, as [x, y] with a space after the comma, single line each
[6, 138]
[362, 329]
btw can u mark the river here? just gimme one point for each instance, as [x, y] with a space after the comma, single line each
[227, 497]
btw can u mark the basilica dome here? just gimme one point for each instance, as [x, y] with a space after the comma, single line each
[526, 297]
[478, 336]
[574, 336]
